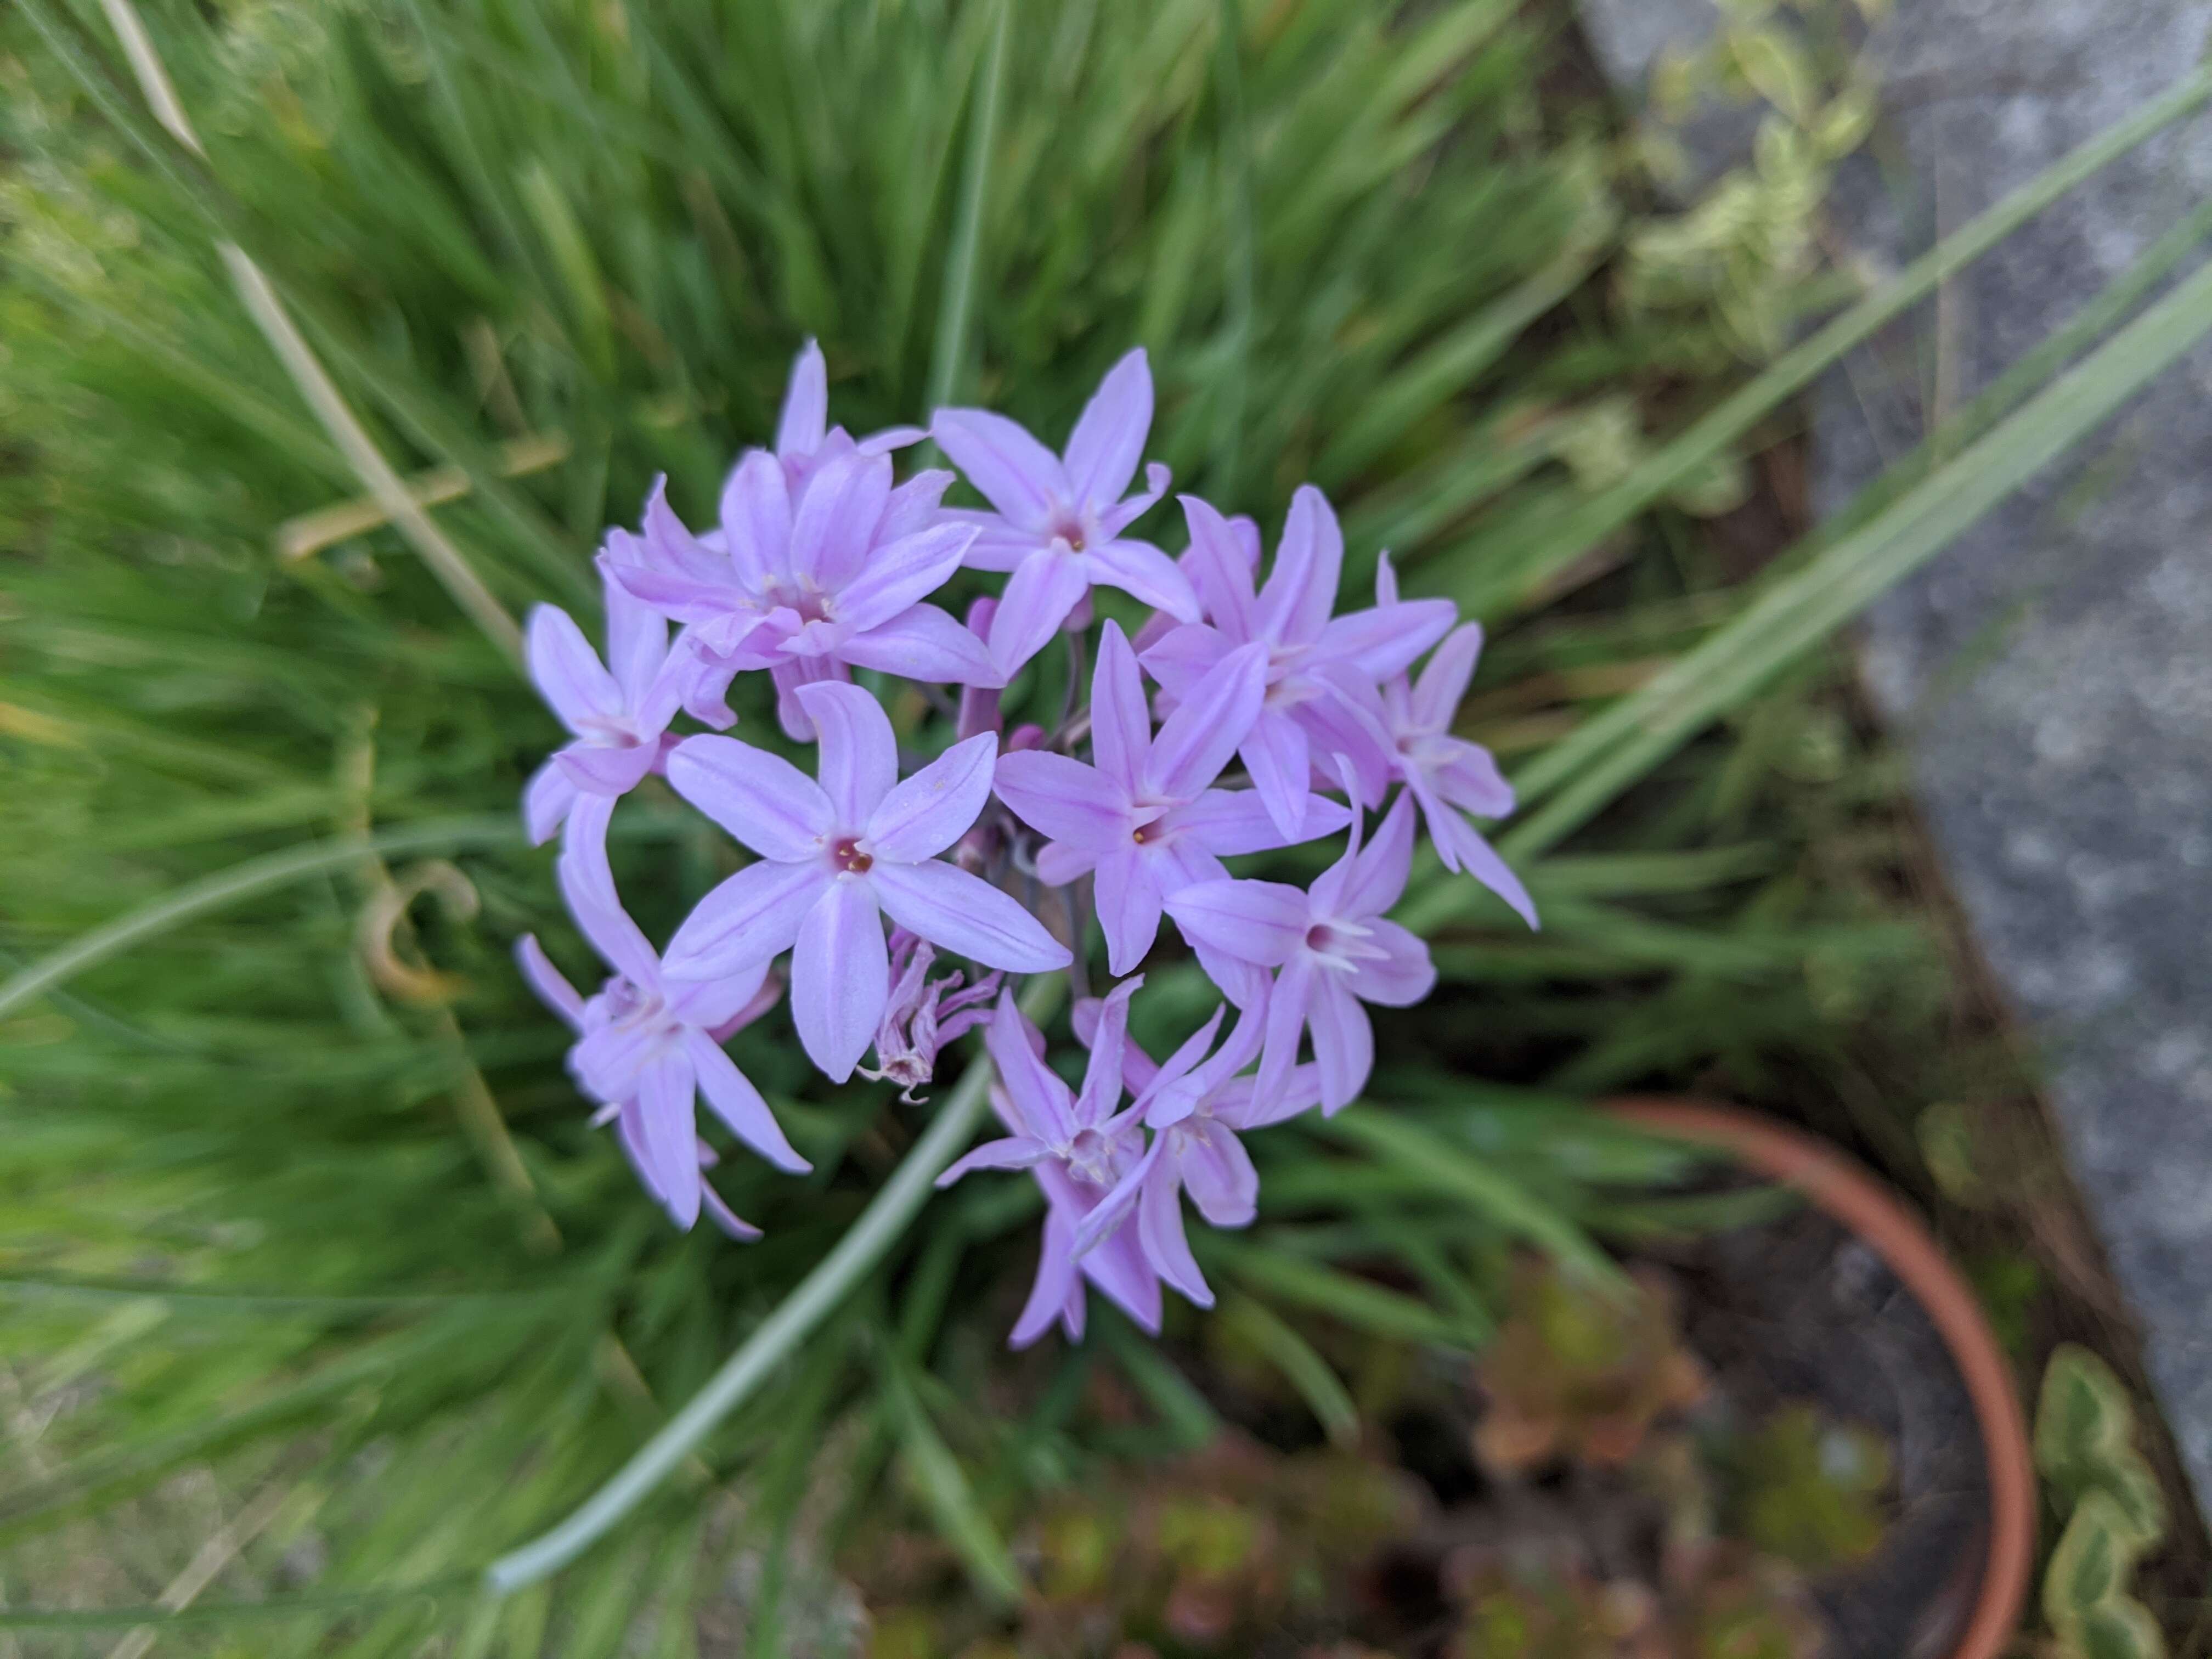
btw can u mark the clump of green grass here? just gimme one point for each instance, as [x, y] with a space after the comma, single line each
[297, 1191]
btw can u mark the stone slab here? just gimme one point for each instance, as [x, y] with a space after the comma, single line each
[2051, 674]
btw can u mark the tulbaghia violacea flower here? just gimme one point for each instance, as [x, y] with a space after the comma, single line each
[1059, 520]
[1336, 950]
[1145, 820]
[1078, 1147]
[648, 1044]
[618, 711]
[1315, 661]
[836, 855]
[1196, 1105]
[807, 585]
[1444, 772]
[923, 1015]
[822, 564]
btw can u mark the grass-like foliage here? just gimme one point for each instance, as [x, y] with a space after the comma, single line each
[295, 1189]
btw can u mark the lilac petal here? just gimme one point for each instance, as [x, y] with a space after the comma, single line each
[1042, 1107]
[1343, 1040]
[567, 673]
[835, 521]
[840, 977]
[965, 914]
[1160, 1233]
[1218, 570]
[739, 1104]
[667, 1141]
[1380, 643]
[999, 544]
[1012, 1152]
[1063, 798]
[1142, 571]
[1038, 596]
[1136, 1065]
[1466, 774]
[1129, 901]
[1195, 741]
[1185, 655]
[1058, 863]
[1378, 877]
[1102, 1078]
[1108, 440]
[1261, 922]
[717, 603]
[1016, 473]
[892, 438]
[1113, 520]
[1341, 723]
[858, 761]
[1460, 846]
[923, 816]
[546, 802]
[551, 986]
[588, 887]
[1228, 822]
[805, 405]
[1240, 1106]
[745, 921]
[913, 506]
[1058, 1288]
[923, 642]
[732, 1224]
[1287, 1007]
[1218, 1173]
[1444, 678]
[1173, 1091]
[1119, 1268]
[790, 675]
[756, 513]
[902, 574]
[1301, 589]
[637, 634]
[1402, 977]
[1120, 727]
[614, 771]
[762, 799]
[1276, 755]
[725, 1004]
[1244, 984]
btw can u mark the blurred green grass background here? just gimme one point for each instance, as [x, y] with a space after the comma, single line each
[303, 1221]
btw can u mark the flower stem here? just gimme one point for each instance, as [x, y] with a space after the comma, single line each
[778, 1335]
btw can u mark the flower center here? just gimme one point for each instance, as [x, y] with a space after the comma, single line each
[850, 857]
[632, 1008]
[1091, 1159]
[805, 601]
[1341, 945]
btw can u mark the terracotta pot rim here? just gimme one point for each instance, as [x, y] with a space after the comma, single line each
[1838, 1186]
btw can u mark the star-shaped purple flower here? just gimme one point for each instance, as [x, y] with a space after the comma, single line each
[1335, 949]
[1078, 1147]
[806, 583]
[834, 855]
[1314, 660]
[646, 1043]
[1144, 819]
[617, 712]
[1196, 1106]
[1059, 520]
[1444, 772]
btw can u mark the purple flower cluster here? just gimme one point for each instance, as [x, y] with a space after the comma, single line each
[1270, 719]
